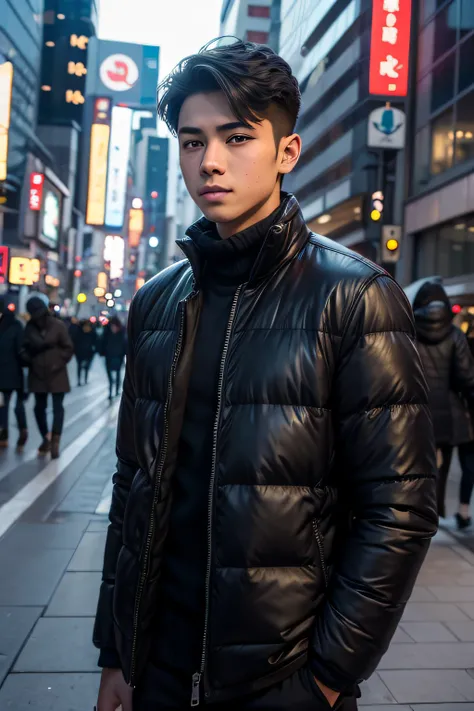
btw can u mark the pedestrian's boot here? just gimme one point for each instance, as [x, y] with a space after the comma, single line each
[22, 439]
[45, 446]
[55, 446]
[3, 439]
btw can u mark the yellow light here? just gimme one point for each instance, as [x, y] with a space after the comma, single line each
[6, 82]
[50, 43]
[102, 281]
[135, 227]
[392, 245]
[99, 150]
[80, 41]
[45, 87]
[375, 215]
[20, 271]
[74, 97]
[99, 292]
[35, 270]
[61, 16]
[81, 298]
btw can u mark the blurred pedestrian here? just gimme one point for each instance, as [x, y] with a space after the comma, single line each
[11, 375]
[449, 370]
[275, 492]
[47, 349]
[113, 348]
[85, 346]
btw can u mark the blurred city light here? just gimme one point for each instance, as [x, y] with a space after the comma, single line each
[153, 242]
[118, 293]
[137, 203]
[82, 298]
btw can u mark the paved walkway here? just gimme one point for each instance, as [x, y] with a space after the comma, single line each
[51, 560]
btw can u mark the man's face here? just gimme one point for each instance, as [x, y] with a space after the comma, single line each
[241, 165]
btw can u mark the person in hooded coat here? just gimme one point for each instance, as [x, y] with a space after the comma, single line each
[11, 375]
[449, 370]
[85, 347]
[47, 349]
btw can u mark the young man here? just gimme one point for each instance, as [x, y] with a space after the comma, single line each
[275, 491]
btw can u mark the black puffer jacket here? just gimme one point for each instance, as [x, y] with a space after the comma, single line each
[448, 364]
[322, 420]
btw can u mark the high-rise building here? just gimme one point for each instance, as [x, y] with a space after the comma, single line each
[439, 214]
[21, 33]
[328, 45]
[251, 20]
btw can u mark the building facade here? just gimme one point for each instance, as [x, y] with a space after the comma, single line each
[439, 212]
[251, 20]
[327, 44]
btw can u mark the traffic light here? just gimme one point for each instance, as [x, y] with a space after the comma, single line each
[376, 206]
[391, 237]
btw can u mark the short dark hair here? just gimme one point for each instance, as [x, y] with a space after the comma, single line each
[251, 76]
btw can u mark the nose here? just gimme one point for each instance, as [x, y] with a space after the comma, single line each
[213, 161]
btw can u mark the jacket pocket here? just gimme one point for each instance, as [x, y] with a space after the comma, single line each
[320, 544]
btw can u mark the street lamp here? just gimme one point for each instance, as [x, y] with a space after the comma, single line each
[118, 293]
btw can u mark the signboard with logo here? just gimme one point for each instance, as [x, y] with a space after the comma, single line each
[3, 264]
[390, 47]
[21, 273]
[36, 191]
[136, 223]
[386, 128]
[126, 72]
[6, 84]
[98, 159]
[119, 152]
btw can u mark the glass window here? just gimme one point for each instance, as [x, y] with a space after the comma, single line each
[445, 29]
[442, 88]
[259, 11]
[464, 134]
[259, 37]
[421, 169]
[425, 254]
[442, 142]
[466, 59]
[467, 17]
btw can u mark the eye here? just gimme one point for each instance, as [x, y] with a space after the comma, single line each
[239, 139]
[192, 144]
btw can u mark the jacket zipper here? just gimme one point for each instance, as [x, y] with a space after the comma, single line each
[197, 677]
[156, 489]
[319, 541]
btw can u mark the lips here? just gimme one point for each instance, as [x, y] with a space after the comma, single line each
[214, 190]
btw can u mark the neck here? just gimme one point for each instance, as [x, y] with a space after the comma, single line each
[257, 213]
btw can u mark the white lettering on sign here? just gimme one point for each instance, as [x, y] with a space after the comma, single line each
[391, 5]
[390, 35]
[389, 66]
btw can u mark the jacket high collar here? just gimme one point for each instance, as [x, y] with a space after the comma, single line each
[284, 239]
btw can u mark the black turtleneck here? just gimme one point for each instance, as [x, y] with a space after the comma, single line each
[176, 653]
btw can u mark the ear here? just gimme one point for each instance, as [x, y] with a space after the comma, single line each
[290, 151]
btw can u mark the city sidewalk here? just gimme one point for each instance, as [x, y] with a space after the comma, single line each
[51, 561]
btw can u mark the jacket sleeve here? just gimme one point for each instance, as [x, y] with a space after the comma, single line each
[65, 344]
[463, 368]
[127, 467]
[386, 473]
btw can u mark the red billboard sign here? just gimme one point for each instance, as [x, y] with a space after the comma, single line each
[390, 47]
[3, 264]
[36, 191]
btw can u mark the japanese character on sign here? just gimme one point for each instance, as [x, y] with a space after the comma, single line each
[391, 5]
[390, 35]
[389, 66]
[34, 199]
[37, 179]
[76, 68]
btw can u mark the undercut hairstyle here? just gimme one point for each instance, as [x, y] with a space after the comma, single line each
[256, 82]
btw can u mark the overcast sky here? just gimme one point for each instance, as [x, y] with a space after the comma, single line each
[179, 27]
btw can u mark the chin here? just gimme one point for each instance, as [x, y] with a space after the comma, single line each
[219, 213]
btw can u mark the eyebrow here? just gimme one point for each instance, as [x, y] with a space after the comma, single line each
[194, 131]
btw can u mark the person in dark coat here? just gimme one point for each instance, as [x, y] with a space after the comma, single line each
[47, 349]
[449, 370]
[11, 375]
[113, 349]
[85, 346]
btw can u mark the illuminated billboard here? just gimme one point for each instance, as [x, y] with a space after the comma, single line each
[136, 222]
[119, 153]
[6, 83]
[36, 191]
[51, 219]
[390, 47]
[114, 254]
[21, 273]
[3, 264]
[99, 150]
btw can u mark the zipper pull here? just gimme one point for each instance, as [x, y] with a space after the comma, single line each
[195, 689]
